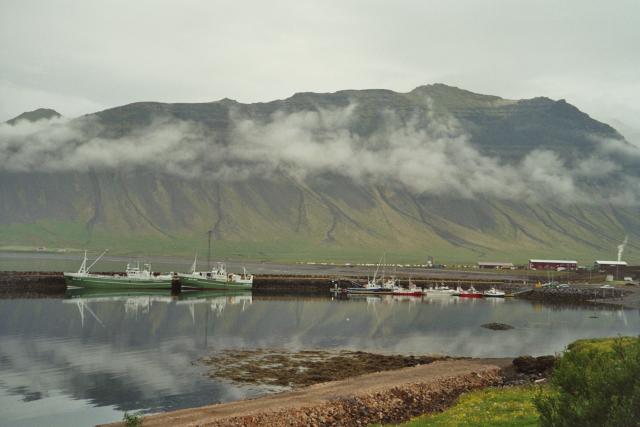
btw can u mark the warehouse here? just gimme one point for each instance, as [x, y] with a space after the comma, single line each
[552, 264]
[496, 265]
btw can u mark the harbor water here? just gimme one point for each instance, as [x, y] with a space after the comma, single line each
[86, 358]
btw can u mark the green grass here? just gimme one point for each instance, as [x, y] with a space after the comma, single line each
[605, 345]
[491, 407]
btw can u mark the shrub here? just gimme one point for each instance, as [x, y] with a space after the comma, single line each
[595, 383]
[132, 420]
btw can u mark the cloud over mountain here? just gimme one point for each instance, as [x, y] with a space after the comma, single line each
[427, 153]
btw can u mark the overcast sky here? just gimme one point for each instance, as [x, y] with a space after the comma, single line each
[82, 56]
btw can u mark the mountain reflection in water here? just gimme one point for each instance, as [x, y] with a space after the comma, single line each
[89, 357]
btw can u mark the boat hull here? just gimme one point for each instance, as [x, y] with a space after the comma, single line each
[363, 291]
[470, 295]
[409, 293]
[438, 294]
[117, 283]
[213, 284]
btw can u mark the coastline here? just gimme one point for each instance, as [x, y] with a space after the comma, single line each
[381, 397]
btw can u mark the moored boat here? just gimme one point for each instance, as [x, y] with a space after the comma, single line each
[469, 293]
[217, 278]
[242, 279]
[442, 290]
[372, 286]
[134, 277]
[493, 293]
[411, 290]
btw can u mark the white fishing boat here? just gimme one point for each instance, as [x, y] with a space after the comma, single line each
[493, 293]
[390, 284]
[438, 291]
[245, 278]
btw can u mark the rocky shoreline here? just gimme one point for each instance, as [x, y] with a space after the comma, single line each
[585, 294]
[392, 405]
[381, 397]
[386, 397]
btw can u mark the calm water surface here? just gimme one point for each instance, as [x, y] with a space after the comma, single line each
[87, 358]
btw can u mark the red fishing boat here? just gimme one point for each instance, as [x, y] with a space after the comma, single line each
[469, 293]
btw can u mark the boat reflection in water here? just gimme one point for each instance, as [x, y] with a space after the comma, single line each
[410, 299]
[138, 302]
[216, 300]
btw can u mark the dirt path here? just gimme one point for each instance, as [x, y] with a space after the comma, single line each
[388, 396]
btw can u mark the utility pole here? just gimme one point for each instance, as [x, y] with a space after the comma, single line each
[209, 233]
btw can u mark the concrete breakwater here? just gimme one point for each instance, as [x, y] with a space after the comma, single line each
[47, 282]
[52, 282]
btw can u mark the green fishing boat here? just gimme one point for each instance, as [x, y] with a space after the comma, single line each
[133, 278]
[216, 279]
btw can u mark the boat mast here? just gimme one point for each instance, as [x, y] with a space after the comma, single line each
[83, 266]
[209, 233]
[194, 266]
[377, 268]
[94, 262]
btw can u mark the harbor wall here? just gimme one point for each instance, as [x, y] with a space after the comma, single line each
[53, 282]
[31, 282]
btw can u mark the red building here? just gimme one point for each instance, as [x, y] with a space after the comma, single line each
[552, 264]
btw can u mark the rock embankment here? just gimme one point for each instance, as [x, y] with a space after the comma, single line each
[382, 397]
[572, 294]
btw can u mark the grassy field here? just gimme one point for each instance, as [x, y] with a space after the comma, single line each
[491, 407]
[73, 237]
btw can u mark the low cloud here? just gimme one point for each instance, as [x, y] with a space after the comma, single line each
[428, 154]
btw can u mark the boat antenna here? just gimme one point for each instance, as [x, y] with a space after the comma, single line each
[209, 233]
[94, 262]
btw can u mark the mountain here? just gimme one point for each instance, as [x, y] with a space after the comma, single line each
[35, 115]
[272, 182]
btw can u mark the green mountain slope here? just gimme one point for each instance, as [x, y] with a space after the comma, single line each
[328, 215]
